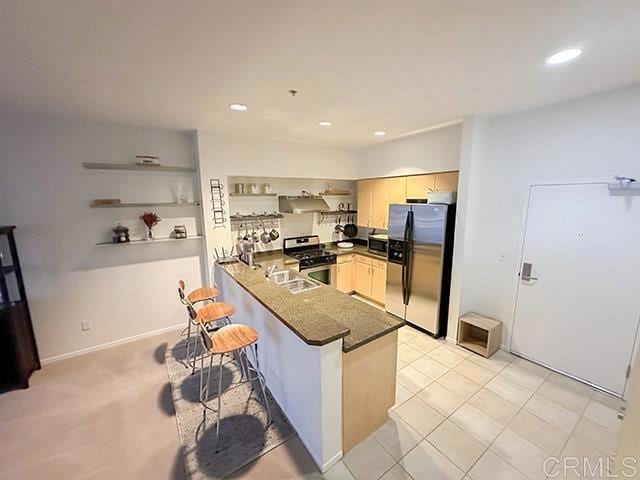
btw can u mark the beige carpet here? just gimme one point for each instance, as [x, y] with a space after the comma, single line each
[108, 415]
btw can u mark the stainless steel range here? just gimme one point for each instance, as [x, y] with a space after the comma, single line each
[315, 261]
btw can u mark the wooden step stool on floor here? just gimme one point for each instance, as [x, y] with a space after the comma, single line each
[480, 334]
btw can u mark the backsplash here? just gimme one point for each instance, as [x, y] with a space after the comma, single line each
[291, 225]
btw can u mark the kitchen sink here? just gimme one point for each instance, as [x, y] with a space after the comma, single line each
[282, 276]
[293, 281]
[299, 285]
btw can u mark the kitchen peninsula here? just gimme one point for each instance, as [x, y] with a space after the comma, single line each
[329, 359]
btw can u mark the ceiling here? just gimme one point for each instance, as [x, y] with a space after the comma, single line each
[366, 65]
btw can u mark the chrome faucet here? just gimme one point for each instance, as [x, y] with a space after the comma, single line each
[270, 271]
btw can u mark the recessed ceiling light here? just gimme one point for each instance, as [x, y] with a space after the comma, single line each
[238, 107]
[564, 56]
[324, 123]
[380, 133]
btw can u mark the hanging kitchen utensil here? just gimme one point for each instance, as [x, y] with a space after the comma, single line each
[339, 228]
[264, 236]
[350, 229]
[254, 234]
[274, 233]
[246, 232]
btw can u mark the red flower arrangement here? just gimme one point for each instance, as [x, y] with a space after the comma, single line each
[150, 219]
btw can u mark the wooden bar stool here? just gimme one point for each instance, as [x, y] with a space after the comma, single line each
[230, 339]
[212, 316]
[202, 294]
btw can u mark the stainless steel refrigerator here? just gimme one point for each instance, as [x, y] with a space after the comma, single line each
[419, 264]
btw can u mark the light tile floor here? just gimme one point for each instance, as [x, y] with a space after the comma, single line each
[461, 416]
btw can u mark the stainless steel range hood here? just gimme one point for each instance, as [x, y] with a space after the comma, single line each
[302, 204]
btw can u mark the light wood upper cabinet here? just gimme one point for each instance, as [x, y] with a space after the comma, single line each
[375, 196]
[396, 190]
[344, 281]
[379, 205]
[364, 202]
[378, 283]
[362, 278]
[446, 182]
[419, 185]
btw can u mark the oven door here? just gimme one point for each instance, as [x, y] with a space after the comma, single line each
[325, 274]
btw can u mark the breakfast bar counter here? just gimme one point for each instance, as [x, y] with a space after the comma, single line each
[329, 359]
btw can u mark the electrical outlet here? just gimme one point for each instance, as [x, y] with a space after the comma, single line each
[86, 325]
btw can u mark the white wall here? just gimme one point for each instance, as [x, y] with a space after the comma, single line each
[44, 190]
[595, 136]
[433, 151]
[222, 155]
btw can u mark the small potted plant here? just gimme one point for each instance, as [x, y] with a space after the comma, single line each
[150, 219]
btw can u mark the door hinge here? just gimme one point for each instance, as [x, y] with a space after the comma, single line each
[628, 371]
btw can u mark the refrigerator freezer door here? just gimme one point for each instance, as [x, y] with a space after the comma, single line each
[393, 301]
[397, 220]
[429, 223]
[424, 295]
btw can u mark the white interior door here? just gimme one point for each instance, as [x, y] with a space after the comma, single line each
[579, 313]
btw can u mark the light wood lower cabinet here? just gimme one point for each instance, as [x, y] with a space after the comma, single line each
[344, 271]
[378, 284]
[362, 278]
[370, 278]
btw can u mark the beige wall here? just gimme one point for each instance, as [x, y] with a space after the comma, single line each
[594, 136]
[437, 150]
[222, 155]
[123, 291]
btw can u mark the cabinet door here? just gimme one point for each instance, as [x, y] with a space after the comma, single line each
[378, 284]
[364, 202]
[345, 277]
[379, 203]
[396, 190]
[419, 185]
[446, 182]
[362, 278]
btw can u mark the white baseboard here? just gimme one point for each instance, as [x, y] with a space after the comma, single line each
[336, 458]
[115, 343]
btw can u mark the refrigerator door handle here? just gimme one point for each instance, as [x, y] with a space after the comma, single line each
[409, 259]
[406, 258]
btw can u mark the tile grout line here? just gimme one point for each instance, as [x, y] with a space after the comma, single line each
[511, 421]
[424, 438]
[466, 473]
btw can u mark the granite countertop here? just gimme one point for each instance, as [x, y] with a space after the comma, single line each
[317, 316]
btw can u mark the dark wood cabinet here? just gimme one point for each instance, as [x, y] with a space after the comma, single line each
[18, 351]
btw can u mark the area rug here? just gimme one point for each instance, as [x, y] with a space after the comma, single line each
[244, 433]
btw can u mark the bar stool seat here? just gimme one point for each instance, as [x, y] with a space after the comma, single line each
[203, 294]
[232, 337]
[215, 311]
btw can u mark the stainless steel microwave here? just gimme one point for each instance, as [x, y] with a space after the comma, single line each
[378, 244]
